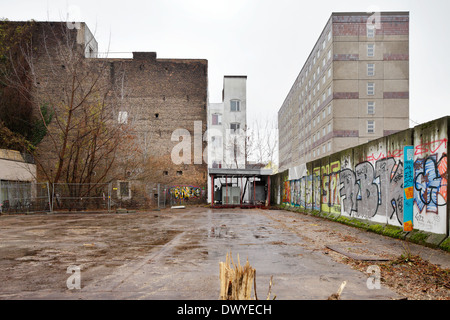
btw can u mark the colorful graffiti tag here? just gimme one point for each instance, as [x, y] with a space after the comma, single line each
[331, 201]
[430, 181]
[185, 192]
[371, 190]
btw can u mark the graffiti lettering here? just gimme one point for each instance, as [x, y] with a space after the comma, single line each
[375, 190]
[390, 154]
[430, 147]
[185, 192]
[317, 189]
[390, 177]
[429, 182]
[348, 191]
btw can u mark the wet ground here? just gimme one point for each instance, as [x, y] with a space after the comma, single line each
[175, 254]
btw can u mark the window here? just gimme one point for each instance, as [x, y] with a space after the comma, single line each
[329, 54]
[124, 187]
[324, 149]
[370, 69]
[329, 128]
[370, 50]
[329, 73]
[235, 127]
[329, 146]
[370, 88]
[123, 117]
[370, 31]
[235, 105]
[370, 126]
[329, 109]
[216, 119]
[329, 91]
[329, 36]
[370, 107]
[179, 173]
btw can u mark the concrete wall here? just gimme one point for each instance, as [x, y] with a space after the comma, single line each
[366, 182]
[13, 167]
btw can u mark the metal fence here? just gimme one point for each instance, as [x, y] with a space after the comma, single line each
[21, 197]
[81, 196]
[29, 197]
[162, 196]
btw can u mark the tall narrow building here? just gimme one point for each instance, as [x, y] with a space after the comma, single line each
[353, 88]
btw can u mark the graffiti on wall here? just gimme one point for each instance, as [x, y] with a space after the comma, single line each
[316, 189]
[374, 189]
[430, 182]
[286, 192]
[185, 192]
[331, 201]
[430, 185]
[367, 189]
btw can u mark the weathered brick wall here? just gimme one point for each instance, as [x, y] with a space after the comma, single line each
[159, 95]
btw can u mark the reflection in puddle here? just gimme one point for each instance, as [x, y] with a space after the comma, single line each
[221, 232]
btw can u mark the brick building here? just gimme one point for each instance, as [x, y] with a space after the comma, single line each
[353, 88]
[148, 100]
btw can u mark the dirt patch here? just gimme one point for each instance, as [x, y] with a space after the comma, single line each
[407, 274]
[412, 277]
[36, 258]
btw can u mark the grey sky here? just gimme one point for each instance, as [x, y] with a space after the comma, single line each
[267, 40]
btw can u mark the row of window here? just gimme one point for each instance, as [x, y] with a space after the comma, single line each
[326, 147]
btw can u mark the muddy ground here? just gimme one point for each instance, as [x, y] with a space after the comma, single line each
[140, 255]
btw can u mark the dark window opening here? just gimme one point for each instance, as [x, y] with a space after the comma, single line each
[156, 115]
[179, 173]
[124, 189]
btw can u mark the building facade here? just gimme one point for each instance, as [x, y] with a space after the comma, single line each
[353, 88]
[227, 126]
[146, 105]
[227, 130]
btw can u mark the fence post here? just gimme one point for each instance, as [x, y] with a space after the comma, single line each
[159, 190]
[109, 197]
[53, 195]
[50, 204]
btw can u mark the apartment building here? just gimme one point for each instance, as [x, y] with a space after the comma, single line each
[353, 88]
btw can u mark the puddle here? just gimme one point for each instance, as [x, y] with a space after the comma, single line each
[221, 232]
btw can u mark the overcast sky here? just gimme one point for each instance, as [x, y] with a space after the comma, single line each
[267, 40]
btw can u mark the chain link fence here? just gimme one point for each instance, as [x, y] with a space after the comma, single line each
[29, 197]
[81, 197]
[22, 197]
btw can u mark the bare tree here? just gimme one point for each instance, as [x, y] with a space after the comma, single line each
[75, 101]
[236, 148]
[264, 146]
